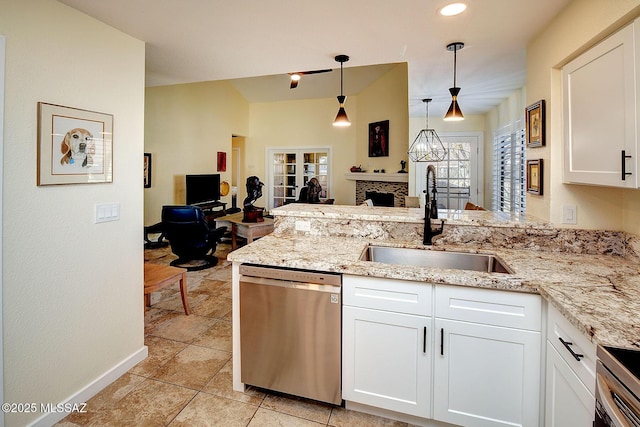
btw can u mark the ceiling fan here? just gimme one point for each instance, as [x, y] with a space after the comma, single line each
[295, 77]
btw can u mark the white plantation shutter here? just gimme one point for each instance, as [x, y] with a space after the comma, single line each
[509, 173]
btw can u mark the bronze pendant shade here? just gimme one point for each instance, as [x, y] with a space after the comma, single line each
[341, 118]
[454, 113]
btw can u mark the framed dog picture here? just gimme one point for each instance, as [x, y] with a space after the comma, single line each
[74, 146]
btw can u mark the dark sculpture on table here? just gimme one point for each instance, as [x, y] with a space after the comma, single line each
[254, 192]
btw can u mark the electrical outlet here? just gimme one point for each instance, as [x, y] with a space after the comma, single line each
[569, 214]
[303, 226]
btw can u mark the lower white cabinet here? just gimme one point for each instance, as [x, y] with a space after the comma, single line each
[569, 402]
[486, 375]
[470, 355]
[570, 376]
[487, 368]
[387, 362]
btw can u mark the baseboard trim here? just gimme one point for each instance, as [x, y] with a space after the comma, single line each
[91, 389]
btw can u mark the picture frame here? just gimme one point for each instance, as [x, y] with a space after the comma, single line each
[535, 124]
[534, 176]
[222, 161]
[147, 170]
[379, 139]
[75, 146]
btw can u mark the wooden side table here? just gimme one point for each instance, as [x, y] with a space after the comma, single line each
[158, 276]
[248, 230]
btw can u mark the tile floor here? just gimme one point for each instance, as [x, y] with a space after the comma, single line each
[186, 379]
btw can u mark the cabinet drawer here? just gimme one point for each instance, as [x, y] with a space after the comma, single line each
[489, 306]
[399, 296]
[559, 327]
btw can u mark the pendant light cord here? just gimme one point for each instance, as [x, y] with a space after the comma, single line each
[455, 56]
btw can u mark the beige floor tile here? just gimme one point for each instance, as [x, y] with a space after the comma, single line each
[178, 326]
[207, 286]
[193, 367]
[154, 316]
[267, 418]
[222, 385]
[173, 301]
[161, 350]
[152, 403]
[216, 307]
[208, 410]
[341, 417]
[301, 408]
[107, 398]
[219, 336]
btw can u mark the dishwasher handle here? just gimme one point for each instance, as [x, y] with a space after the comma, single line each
[290, 284]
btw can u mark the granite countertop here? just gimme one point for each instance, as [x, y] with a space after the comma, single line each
[599, 294]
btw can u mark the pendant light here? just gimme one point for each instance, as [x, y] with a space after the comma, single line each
[454, 113]
[341, 119]
[427, 147]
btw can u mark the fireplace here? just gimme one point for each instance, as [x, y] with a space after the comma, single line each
[380, 199]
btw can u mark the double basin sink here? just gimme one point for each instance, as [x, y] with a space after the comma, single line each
[435, 259]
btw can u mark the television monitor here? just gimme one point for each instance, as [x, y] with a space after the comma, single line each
[202, 189]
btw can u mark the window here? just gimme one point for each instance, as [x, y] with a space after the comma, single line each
[509, 176]
[459, 175]
[291, 169]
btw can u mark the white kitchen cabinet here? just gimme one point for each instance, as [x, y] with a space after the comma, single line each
[568, 401]
[570, 376]
[387, 348]
[487, 367]
[600, 113]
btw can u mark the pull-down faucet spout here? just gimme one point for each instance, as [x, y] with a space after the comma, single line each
[431, 208]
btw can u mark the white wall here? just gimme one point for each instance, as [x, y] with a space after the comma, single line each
[72, 303]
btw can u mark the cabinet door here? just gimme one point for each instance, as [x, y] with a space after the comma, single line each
[599, 115]
[386, 360]
[568, 401]
[486, 375]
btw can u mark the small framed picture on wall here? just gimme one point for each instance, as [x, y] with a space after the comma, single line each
[379, 139]
[534, 116]
[534, 176]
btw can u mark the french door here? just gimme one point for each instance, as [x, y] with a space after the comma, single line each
[459, 176]
[290, 169]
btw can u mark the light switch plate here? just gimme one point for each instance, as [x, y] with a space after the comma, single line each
[107, 212]
[569, 214]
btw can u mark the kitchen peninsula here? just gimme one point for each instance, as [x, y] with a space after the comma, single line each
[590, 277]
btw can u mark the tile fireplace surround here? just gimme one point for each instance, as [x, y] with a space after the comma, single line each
[382, 183]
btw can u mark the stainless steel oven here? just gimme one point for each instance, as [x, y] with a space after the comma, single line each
[617, 387]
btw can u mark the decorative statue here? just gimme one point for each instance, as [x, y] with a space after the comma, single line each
[403, 163]
[254, 192]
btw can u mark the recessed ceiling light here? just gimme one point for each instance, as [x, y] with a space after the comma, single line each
[453, 9]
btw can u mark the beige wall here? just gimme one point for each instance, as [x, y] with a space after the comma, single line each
[185, 126]
[582, 24]
[308, 123]
[72, 297]
[386, 99]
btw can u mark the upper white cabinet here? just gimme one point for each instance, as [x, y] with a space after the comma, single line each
[600, 113]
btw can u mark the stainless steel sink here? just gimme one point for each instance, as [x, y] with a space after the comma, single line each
[435, 259]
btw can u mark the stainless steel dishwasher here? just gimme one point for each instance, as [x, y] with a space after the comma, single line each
[290, 331]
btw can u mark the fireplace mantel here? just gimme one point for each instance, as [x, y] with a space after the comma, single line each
[382, 177]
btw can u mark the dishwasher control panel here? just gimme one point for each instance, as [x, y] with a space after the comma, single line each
[292, 275]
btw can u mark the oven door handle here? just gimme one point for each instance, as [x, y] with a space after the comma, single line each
[604, 395]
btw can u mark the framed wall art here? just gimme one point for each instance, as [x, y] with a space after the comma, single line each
[379, 139]
[534, 176]
[74, 146]
[535, 126]
[222, 161]
[147, 170]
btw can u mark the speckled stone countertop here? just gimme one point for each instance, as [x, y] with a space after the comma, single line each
[599, 294]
